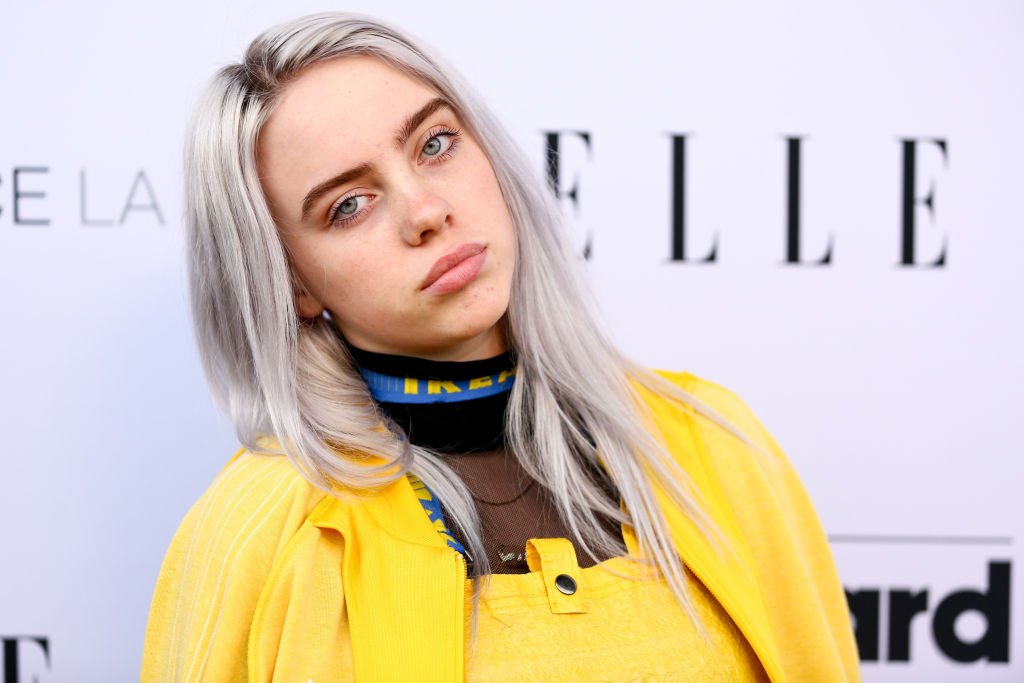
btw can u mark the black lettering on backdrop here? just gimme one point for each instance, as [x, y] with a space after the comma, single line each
[129, 205]
[909, 203]
[679, 205]
[552, 146]
[19, 195]
[793, 207]
[903, 607]
[864, 608]
[993, 604]
[12, 673]
[552, 155]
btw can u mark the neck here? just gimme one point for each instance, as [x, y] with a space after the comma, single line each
[489, 344]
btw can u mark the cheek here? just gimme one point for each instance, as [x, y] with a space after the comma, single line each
[326, 270]
[361, 282]
[490, 203]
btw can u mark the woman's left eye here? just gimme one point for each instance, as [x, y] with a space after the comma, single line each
[440, 145]
[346, 210]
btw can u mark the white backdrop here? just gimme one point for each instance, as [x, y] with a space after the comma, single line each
[893, 387]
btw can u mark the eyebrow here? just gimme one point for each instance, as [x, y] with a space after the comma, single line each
[414, 121]
[401, 137]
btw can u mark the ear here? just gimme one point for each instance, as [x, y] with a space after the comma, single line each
[307, 305]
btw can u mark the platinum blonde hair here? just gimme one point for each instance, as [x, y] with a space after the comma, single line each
[574, 405]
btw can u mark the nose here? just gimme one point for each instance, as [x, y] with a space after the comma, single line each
[427, 213]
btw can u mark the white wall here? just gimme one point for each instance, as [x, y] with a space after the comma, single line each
[893, 388]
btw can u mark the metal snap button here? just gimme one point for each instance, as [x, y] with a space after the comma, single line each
[565, 584]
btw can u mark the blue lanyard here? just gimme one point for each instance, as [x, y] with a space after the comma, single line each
[432, 506]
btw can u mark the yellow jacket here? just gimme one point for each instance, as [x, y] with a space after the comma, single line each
[269, 578]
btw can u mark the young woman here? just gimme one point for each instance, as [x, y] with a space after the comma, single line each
[449, 473]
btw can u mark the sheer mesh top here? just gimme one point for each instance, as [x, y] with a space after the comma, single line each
[514, 508]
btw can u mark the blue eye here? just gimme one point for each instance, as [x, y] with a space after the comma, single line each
[437, 145]
[441, 144]
[346, 209]
[349, 206]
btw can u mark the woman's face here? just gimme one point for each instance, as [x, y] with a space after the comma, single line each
[390, 212]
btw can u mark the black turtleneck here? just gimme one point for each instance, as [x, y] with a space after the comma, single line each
[446, 426]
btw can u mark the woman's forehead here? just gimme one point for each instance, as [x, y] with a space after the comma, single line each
[360, 91]
[351, 103]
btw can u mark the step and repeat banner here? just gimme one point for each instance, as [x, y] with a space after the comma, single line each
[817, 205]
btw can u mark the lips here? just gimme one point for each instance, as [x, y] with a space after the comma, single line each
[455, 269]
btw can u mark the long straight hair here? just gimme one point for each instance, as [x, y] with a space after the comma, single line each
[574, 406]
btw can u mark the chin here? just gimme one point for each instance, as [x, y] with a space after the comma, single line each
[482, 333]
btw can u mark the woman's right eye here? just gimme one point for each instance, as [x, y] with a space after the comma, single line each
[347, 208]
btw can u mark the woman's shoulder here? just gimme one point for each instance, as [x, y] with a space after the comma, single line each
[218, 563]
[721, 400]
[718, 414]
[244, 518]
[261, 495]
[717, 437]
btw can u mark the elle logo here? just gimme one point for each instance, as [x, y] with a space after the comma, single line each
[992, 604]
[682, 251]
